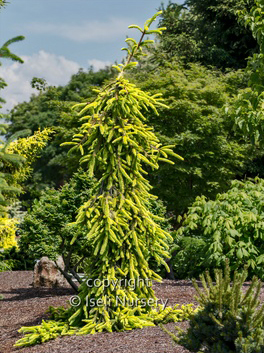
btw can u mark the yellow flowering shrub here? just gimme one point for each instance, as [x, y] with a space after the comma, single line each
[8, 227]
[29, 148]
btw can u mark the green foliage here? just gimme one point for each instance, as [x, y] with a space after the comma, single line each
[45, 230]
[51, 108]
[9, 163]
[7, 190]
[195, 96]
[187, 256]
[202, 132]
[207, 32]
[39, 83]
[252, 18]
[196, 123]
[115, 143]
[7, 158]
[247, 110]
[229, 320]
[13, 259]
[247, 115]
[158, 208]
[16, 158]
[2, 3]
[231, 226]
[4, 266]
[5, 51]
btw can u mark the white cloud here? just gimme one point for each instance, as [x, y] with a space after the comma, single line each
[98, 64]
[56, 70]
[92, 31]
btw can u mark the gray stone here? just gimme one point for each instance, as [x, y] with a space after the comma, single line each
[46, 273]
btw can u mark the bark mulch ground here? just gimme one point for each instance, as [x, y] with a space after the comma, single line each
[24, 305]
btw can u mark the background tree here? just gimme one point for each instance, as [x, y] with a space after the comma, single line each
[7, 161]
[207, 32]
[247, 111]
[196, 96]
[5, 156]
[201, 130]
[51, 108]
[7, 233]
[197, 122]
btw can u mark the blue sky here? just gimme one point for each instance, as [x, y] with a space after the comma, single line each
[64, 35]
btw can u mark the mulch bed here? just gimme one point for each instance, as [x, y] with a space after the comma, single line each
[24, 305]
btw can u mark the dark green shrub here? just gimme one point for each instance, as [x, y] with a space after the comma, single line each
[45, 230]
[158, 208]
[187, 257]
[230, 320]
[14, 259]
[197, 124]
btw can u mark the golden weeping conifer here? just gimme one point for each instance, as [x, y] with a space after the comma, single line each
[116, 145]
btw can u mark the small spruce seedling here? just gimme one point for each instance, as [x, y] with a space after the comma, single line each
[229, 320]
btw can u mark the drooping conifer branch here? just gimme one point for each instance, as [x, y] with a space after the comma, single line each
[116, 145]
